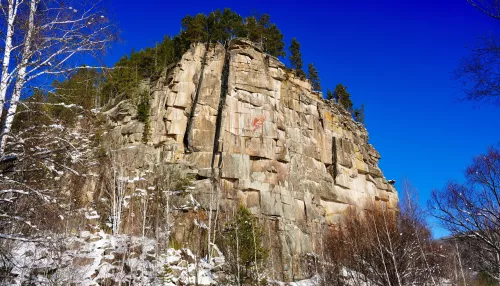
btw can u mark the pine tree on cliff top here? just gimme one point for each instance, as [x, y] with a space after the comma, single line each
[314, 77]
[359, 114]
[343, 97]
[195, 29]
[296, 57]
[330, 95]
[260, 30]
[222, 26]
[218, 26]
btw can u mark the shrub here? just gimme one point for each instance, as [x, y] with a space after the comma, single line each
[242, 241]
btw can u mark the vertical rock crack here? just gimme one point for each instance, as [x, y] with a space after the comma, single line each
[220, 112]
[188, 140]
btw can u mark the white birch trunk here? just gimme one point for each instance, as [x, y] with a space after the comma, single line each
[4, 82]
[498, 267]
[144, 213]
[117, 197]
[62, 35]
[461, 268]
[238, 255]
[380, 251]
[21, 77]
[255, 251]
[209, 254]
[216, 216]
[393, 257]
[419, 241]
[167, 214]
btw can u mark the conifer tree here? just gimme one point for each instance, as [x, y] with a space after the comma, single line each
[251, 29]
[359, 114]
[231, 23]
[259, 29]
[314, 77]
[218, 26]
[243, 247]
[296, 57]
[195, 28]
[343, 97]
[273, 41]
[224, 25]
[330, 95]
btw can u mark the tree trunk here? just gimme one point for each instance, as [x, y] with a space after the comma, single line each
[460, 263]
[238, 256]
[21, 77]
[4, 82]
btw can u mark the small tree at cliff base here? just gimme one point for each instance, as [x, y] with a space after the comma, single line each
[242, 246]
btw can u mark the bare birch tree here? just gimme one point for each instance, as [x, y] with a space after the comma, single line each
[10, 10]
[381, 247]
[488, 7]
[45, 44]
[117, 194]
[41, 40]
[417, 219]
[31, 199]
[478, 72]
[471, 211]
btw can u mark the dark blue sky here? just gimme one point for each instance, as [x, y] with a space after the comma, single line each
[396, 57]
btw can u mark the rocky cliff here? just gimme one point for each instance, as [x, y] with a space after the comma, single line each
[253, 134]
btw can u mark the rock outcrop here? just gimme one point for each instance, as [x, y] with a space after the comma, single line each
[254, 134]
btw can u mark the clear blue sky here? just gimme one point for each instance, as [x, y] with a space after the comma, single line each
[396, 57]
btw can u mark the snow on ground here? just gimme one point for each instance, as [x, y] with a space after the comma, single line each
[99, 258]
[93, 259]
[313, 281]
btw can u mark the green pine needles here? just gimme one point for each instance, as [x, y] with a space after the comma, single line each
[143, 112]
[219, 26]
[313, 76]
[242, 241]
[296, 58]
[341, 96]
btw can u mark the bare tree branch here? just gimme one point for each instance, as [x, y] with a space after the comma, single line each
[471, 211]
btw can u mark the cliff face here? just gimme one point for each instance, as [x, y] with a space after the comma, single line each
[254, 135]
